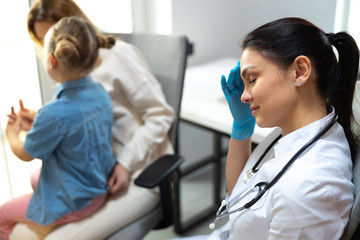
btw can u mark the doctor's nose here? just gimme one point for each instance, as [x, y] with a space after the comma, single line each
[246, 97]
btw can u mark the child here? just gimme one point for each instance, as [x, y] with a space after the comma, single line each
[71, 134]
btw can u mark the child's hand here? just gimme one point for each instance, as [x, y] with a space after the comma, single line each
[27, 116]
[14, 123]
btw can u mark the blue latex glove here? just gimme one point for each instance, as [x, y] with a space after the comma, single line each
[244, 122]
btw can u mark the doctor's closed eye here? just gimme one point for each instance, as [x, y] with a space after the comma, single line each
[252, 79]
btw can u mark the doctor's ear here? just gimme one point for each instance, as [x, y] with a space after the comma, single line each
[302, 68]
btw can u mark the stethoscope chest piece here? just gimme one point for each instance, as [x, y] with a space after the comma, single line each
[248, 175]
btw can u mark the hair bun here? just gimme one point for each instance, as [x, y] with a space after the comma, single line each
[66, 47]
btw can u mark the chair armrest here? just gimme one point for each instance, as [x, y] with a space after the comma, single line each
[159, 170]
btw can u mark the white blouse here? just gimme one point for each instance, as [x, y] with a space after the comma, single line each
[142, 117]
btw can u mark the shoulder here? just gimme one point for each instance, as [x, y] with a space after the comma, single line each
[123, 51]
[53, 110]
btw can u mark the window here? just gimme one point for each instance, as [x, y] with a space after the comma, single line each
[19, 80]
[354, 19]
[108, 15]
[348, 17]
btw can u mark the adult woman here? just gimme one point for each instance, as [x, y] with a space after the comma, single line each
[142, 119]
[291, 79]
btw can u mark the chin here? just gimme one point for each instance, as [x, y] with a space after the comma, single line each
[263, 124]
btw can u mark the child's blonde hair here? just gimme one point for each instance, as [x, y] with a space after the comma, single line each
[75, 43]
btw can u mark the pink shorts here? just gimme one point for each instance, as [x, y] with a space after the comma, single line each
[14, 211]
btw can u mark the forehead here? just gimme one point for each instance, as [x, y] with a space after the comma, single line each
[250, 57]
[253, 58]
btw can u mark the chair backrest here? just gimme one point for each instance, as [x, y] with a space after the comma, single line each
[352, 230]
[166, 56]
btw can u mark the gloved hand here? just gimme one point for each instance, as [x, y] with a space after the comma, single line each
[244, 122]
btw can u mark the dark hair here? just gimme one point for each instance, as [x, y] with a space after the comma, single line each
[76, 44]
[283, 40]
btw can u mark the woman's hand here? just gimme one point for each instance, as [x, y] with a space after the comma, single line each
[233, 88]
[119, 179]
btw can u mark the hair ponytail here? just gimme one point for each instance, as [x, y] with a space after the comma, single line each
[341, 94]
[106, 41]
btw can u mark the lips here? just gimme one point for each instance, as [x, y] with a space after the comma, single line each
[254, 109]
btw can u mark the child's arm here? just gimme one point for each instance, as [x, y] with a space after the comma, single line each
[13, 129]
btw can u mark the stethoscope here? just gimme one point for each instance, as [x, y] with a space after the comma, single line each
[262, 187]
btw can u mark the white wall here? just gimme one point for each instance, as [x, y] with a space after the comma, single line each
[217, 26]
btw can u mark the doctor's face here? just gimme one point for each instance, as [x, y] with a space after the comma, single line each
[269, 90]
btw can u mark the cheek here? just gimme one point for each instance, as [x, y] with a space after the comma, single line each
[274, 101]
[45, 62]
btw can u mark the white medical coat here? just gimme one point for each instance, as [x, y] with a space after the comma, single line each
[312, 200]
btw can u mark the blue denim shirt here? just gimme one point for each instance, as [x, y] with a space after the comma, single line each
[73, 138]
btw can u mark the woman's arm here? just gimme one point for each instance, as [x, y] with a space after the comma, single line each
[142, 117]
[238, 153]
[243, 127]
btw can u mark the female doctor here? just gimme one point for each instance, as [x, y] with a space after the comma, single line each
[291, 78]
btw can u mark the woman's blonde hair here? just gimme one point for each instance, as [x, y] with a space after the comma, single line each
[75, 43]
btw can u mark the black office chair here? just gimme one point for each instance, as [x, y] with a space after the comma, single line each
[166, 56]
[352, 230]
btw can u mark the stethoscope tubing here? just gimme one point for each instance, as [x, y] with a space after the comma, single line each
[267, 185]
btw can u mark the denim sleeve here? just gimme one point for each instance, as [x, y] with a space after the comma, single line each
[44, 137]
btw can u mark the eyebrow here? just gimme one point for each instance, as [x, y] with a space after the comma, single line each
[243, 72]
